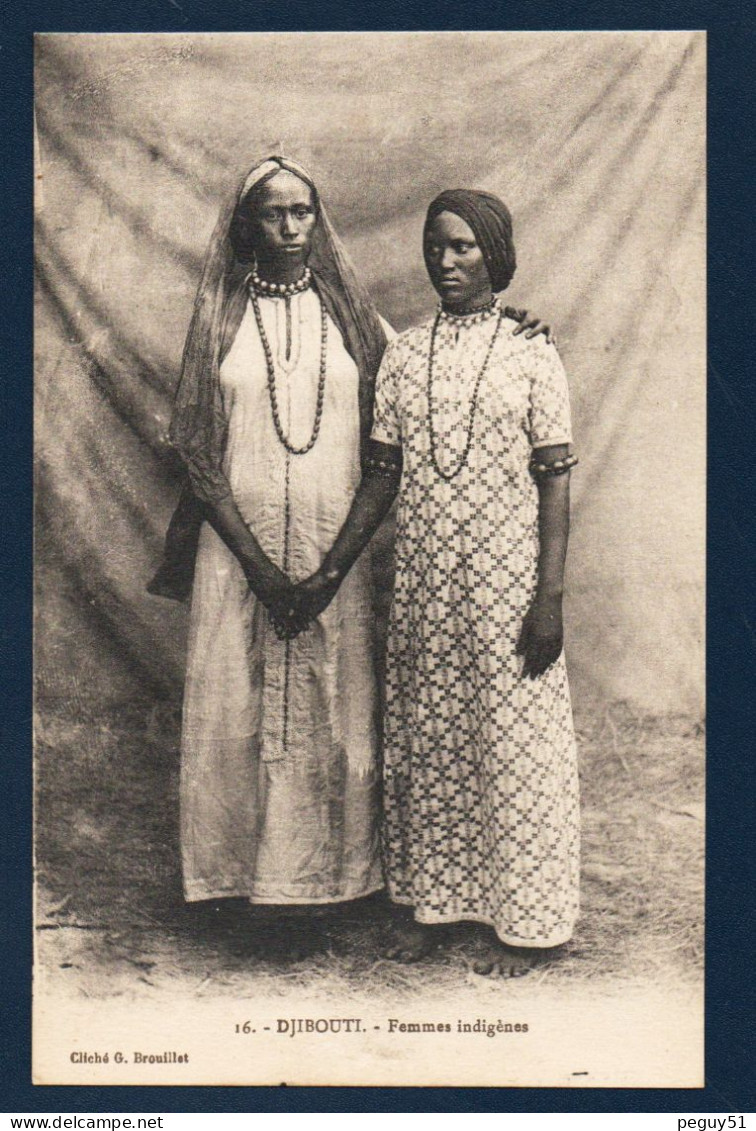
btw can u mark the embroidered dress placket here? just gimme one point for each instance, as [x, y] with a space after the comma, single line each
[279, 745]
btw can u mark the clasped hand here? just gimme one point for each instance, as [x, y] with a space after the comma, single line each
[295, 606]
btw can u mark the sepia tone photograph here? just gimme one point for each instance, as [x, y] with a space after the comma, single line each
[369, 558]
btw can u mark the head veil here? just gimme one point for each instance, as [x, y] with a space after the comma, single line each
[198, 424]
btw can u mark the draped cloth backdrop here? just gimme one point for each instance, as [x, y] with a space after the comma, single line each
[596, 143]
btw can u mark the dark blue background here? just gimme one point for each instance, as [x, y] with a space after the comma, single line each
[730, 1016]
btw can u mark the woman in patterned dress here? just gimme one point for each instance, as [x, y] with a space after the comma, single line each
[472, 430]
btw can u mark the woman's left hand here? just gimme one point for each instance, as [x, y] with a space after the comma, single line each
[315, 594]
[307, 601]
[287, 617]
[530, 325]
[542, 636]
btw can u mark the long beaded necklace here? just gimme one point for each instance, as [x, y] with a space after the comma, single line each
[270, 366]
[449, 475]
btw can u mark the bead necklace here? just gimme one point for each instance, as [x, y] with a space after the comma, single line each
[279, 290]
[472, 316]
[272, 379]
[449, 475]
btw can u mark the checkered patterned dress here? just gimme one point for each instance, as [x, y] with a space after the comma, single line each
[481, 788]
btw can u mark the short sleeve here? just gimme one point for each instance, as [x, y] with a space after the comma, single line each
[550, 421]
[386, 426]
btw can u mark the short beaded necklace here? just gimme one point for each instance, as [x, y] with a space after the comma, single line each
[280, 290]
[301, 285]
[481, 314]
[474, 317]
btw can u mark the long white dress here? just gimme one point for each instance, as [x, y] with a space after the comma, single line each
[480, 765]
[279, 780]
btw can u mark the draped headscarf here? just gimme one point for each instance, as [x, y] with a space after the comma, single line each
[198, 424]
[491, 223]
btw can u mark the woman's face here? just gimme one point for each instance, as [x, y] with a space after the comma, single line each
[455, 263]
[284, 222]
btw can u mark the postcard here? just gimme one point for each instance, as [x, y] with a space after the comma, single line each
[348, 770]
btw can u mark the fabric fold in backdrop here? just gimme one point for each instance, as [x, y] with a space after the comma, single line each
[596, 143]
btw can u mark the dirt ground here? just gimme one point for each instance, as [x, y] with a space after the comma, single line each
[112, 922]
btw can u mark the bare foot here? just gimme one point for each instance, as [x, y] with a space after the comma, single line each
[412, 942]
[301, 937]
[288, 938]
[501, 961]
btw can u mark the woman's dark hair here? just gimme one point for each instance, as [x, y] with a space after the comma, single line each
[242, 232]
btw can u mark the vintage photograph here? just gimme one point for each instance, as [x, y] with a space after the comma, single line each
[370, 552]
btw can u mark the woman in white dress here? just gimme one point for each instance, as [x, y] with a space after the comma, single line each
[278, 773]
[273, 413]
[472, 430]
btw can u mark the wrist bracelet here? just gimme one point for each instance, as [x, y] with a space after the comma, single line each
[385, 468]
[557, 467]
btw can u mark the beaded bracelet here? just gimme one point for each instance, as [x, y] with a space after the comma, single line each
[386, 468]
[558, 467]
